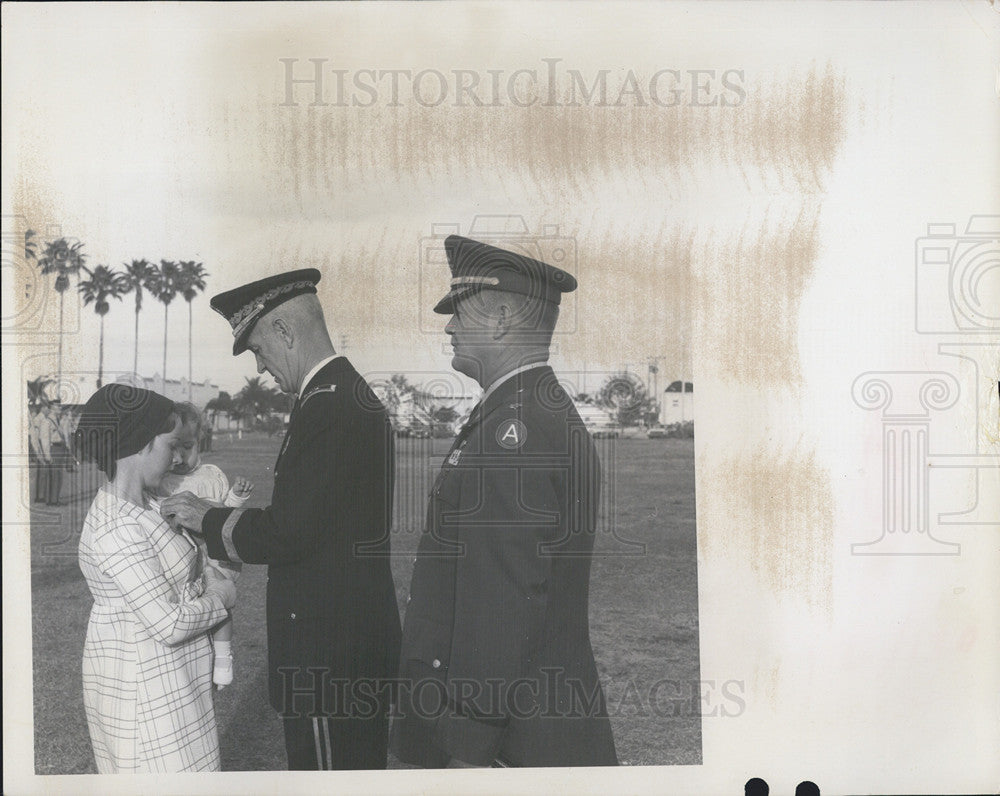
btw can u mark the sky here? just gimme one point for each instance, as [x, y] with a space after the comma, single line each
[184, 145]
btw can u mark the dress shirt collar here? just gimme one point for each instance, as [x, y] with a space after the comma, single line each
[507, 377]
[315, 369]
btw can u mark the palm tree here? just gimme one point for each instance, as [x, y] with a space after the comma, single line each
[36, 391]
[397, 390]
[239, 411]
[138, 274]
[222, 403]
[163, 285]
[102, 285]
[256, 398]
[30, 247]
[191, 282]
[63, 259]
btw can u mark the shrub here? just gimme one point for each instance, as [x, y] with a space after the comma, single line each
[683, 430]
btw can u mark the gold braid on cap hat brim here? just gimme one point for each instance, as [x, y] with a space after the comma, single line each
[249, 312]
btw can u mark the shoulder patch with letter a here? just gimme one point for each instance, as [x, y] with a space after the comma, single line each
[511, 434]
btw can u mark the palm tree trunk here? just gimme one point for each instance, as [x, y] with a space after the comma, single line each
[100, 357]
[135, 356]
[62, 296]
[163, 373]
[189, 351]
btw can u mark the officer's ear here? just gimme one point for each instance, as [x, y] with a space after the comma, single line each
[502, 325]
[284, 331]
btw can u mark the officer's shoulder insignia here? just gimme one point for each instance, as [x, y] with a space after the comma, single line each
[511, 434]
[323, 388]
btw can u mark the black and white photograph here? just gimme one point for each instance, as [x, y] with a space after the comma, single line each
[349, 368]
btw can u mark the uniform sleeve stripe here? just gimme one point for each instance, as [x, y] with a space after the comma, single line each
[227, 535]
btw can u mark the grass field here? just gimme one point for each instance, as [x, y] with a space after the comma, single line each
[643, 606]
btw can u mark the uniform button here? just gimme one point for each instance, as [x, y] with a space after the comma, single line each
[293, 616]
[436, 663]
[408, 600]
[414, 561]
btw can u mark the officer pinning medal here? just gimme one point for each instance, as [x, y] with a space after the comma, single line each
[331, 604]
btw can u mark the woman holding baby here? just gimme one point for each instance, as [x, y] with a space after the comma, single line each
[148, 657]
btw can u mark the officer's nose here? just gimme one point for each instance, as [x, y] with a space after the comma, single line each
[450, 326]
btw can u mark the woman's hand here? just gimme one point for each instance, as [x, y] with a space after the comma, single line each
[221, 585]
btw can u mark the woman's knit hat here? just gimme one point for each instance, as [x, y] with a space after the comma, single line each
[119, 420]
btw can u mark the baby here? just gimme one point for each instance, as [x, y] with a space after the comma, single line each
[209, 482]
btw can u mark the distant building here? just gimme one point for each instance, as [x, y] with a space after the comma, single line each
[174, 389]
[677, 406]
[77, 387]
[410, 414]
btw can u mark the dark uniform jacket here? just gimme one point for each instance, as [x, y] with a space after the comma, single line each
[331, 604]
[496, 652]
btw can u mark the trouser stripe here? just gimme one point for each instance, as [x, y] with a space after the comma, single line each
[329, 754]
[319, 752]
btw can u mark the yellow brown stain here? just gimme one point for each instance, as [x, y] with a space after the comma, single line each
[737, 287]
[30, 292]
[783, 137]
[774, 510]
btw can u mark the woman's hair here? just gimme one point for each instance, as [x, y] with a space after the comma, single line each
[189, 413]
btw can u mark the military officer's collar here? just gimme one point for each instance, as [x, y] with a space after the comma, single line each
[494, 390]
[312, 373]
[504, 379]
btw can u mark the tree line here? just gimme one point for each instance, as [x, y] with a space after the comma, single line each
[64, 259]
[255, 406]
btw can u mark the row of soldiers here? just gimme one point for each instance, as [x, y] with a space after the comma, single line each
[50, 430]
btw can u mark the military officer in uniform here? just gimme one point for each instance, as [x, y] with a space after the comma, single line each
[332, 618]
[496, 662]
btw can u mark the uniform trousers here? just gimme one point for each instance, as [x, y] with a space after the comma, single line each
[40, 468]
[336, 743]
[54, 478]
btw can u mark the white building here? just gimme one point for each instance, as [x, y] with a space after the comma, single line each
[77, 386]
[677, 406]
[412, 412]
[175, 389]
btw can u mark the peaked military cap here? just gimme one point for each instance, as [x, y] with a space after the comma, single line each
[480, 266]
[244, 306]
